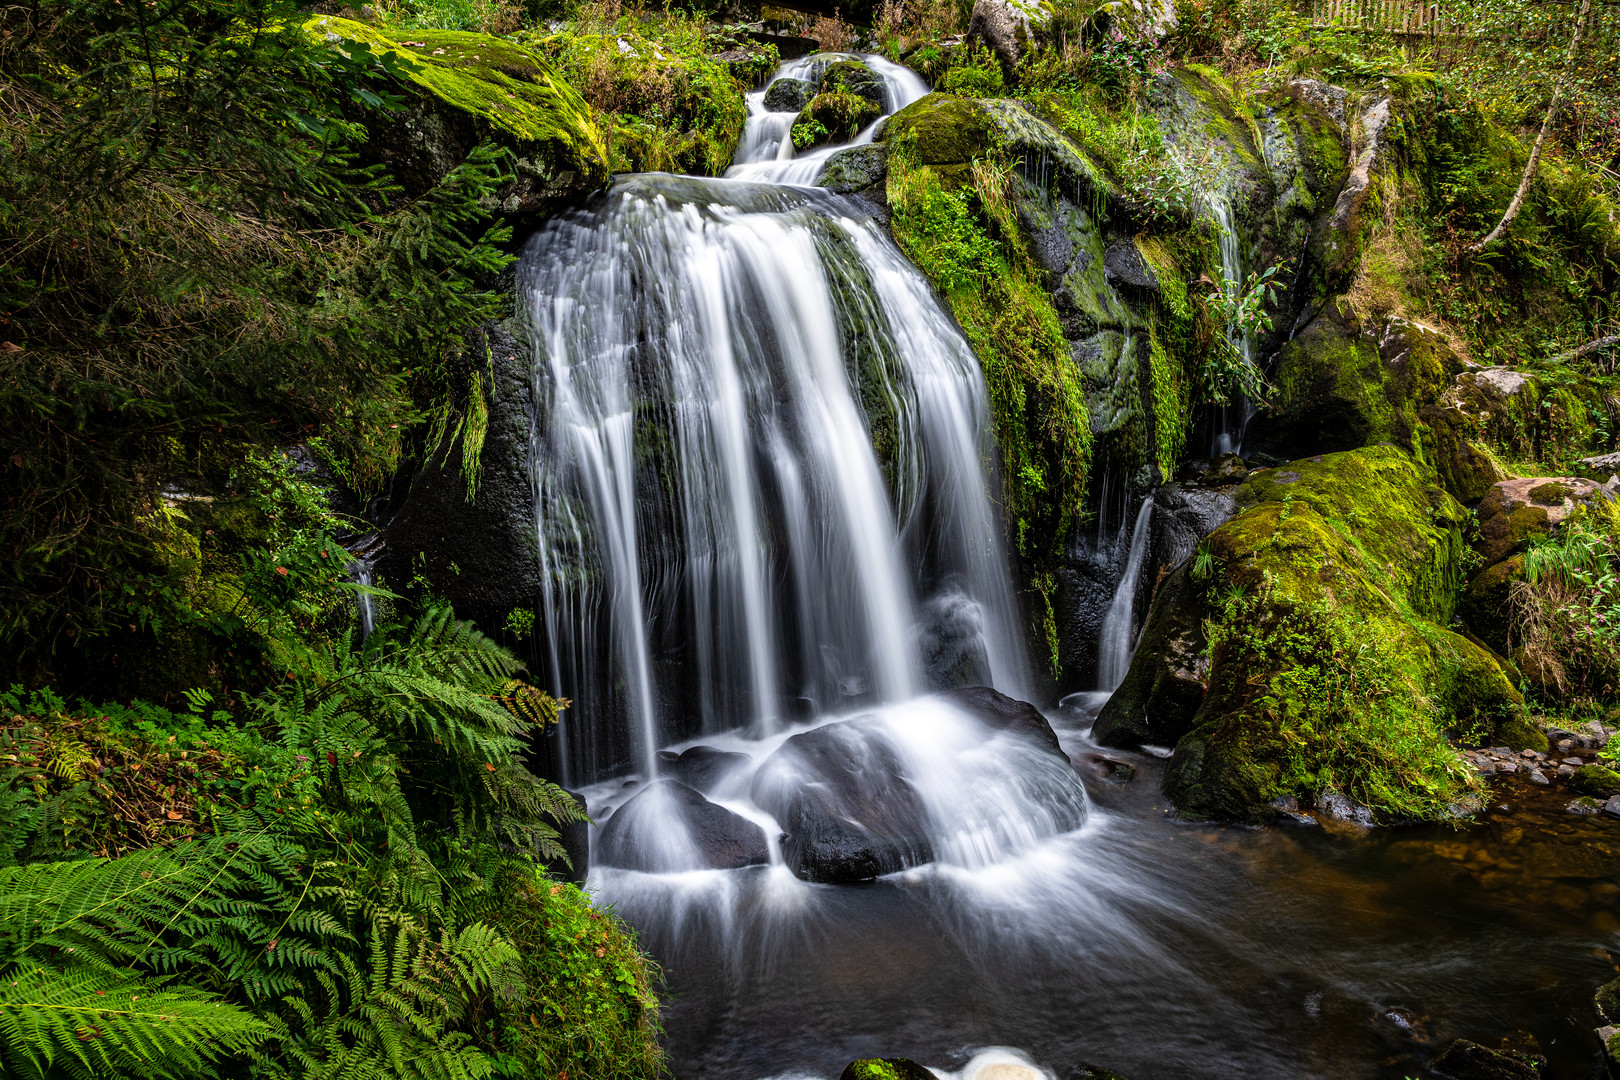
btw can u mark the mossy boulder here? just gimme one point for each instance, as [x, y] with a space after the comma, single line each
[1599, 781]
[941, 130]
[789, 95]
[885, 1069]
[467, 88]
[853, 77]
[1331, 668]
[855, 169]
[1343, 382]
[1607, 1001]
[832, 116]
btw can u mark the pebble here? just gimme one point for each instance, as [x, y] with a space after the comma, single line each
[1529, 755]
[1565, 772]
[1539, 777]
[1566, 745]
[1575, 761]
[1508, 766]
[1612, 807]
[1501, 751]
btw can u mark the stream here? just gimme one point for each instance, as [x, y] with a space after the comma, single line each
[768, 531]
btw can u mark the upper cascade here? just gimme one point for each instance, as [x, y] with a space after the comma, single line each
[767, 152]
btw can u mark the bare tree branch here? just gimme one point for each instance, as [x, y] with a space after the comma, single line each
[1541, 139]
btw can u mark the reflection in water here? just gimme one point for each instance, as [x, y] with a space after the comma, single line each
[1156, 948]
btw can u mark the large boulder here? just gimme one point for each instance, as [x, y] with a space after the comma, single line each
[463, 89]
[854, 77]
[1328, 597]
[789, 95]
[1007, 29]
[999, 712]
[1510, 515]
[1164, 688]
[477, 543]
[668, 826]
[847, 812]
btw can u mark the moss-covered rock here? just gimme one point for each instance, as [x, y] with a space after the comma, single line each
[885, 1069]
[1607, 1001]
[1330, 665]
[467, 88]
[942, 131]
[832, 116]
[789, 95]
[855, 169]
[1342, 383]
[853, 77]
[1599, 781]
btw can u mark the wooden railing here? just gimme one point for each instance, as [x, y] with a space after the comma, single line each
[1390, 16]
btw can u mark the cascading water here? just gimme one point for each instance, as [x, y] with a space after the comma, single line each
[725, 554]
[766, 151]
[1117, 642]
[1227, 437]
[717, 533]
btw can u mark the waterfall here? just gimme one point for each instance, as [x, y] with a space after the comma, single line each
[715, 362]
[1117, 642]
[1228, 433]
[766, 152]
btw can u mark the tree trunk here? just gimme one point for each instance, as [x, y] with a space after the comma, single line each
[1546, 126]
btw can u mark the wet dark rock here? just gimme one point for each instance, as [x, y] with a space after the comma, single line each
[720, 840]
[1183, 516]
[1539, 777]
[846, 810]
[1163, 689]
[885, 1069]
[1092, 1072]
[1002, 713]
[855, 169]
[789, 95]
[481, 555]
[1612, 807]
[1124, 264]
[575, 838]
[1584, 805]
[1341, 807]
[1405, 1024]
[1464, 1060]
[952, 642]
[701, 767]
[1107, 769]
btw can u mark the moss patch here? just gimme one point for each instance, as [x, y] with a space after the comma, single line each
[1596, 780]
[512, 93]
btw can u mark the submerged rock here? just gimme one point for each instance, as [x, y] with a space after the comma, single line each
[669, 826]
[702, 767]
[1002, 713]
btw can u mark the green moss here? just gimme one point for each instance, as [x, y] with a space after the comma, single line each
[885, 1069]
[673, 107]
[1596, 780]
[1330, 664]
[941, 130]
[511, 90]
[853, 77]
[833, 116]
[1607, 1000]
[1172, 407]
[966, 242]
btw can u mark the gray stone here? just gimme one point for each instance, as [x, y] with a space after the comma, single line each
[855, 169]
[1565, 772]
[1338, 805]
[1575, 761]
[789, 95]
[1539, 777]
[1584, 805]
[637, 836]
[1124, 264]
[1612, 807]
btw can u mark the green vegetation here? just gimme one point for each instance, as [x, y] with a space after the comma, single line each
[964, 236]
[1331, 668]
[671, 105]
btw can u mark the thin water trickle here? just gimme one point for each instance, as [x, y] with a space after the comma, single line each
[1117, 642]
[1232, 418]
